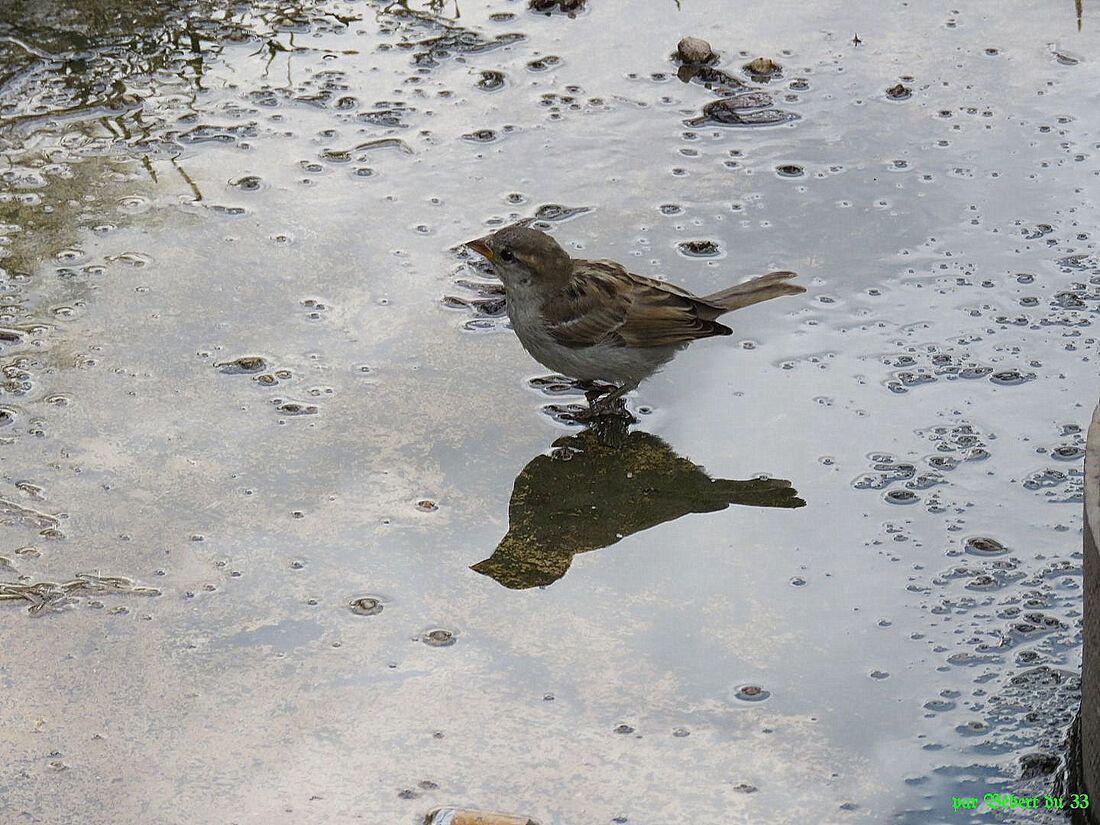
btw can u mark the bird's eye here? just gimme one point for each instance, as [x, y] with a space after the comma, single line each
[507, 255]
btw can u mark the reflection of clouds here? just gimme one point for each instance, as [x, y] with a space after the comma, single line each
[597, 487]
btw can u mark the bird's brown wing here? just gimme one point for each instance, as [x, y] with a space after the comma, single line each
[603, 303]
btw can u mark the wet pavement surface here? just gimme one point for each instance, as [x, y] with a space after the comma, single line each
[296, 531]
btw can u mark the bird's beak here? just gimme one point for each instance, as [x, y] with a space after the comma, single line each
[481, 248]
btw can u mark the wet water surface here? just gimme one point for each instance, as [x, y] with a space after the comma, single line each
[296, 531]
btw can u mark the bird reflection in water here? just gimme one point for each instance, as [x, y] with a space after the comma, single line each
[601, 485]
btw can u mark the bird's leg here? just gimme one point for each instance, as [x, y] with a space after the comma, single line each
[593, 390]
[614, 396]
[612, 402]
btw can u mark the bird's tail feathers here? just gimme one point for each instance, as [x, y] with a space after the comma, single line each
[764, 288]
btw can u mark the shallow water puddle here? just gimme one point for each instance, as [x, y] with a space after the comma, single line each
[247, 365]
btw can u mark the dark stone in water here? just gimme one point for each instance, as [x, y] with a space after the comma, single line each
[763, 69]
[699, 249]
[569, 7]
[695, 51]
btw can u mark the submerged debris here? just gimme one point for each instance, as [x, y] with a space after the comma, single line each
[385, 143]
[742, 110]
[12, 512]
[463, 816]
[42, 595]
[245, 365]
[712, 78]
[557, 212]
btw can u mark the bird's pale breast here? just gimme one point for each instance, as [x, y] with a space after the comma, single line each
[603, 361]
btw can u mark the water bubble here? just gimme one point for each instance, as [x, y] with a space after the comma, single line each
[1011, 378]
[984, 546]
[438, 637]
[543, 64]
[1067, 452]
[365, 606]
[901, 497]
[751, 693]
[480, 136]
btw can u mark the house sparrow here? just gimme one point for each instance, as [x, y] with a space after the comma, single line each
[594, 321]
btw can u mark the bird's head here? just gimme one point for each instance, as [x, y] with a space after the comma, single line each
[522, 256]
